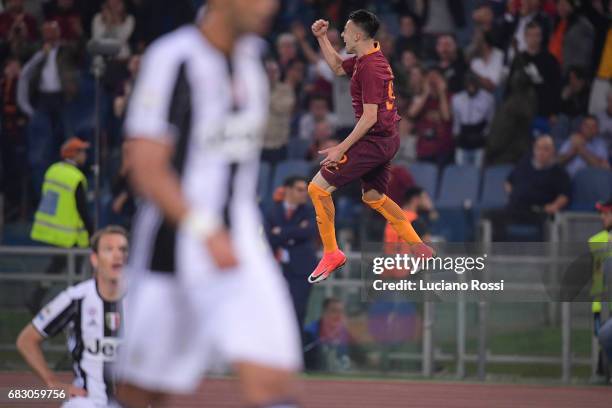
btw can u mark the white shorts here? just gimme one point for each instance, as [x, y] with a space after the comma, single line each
[178, 325]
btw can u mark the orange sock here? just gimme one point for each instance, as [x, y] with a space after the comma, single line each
[396, 217]
[324, 208]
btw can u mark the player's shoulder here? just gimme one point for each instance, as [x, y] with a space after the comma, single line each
[376, 64]
[178, 42]
[80, 290]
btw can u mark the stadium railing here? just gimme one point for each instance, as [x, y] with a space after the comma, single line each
[565, 226]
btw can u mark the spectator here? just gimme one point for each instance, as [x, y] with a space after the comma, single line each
[282, 104]
[407, 149]
[604, 119]
[13, 156]
[292, 231]
[14, 21]
[318, 111]
[68, 18]
[416, 204]
[537, 187]
[431, 114]
[600, 255]
[572, 39]
[485, 23]
[18, 32]
[575, 94]
[543, 70]
[327, 339]
[603, 61]
[113, 22]
[472, 112]
[322, 134]
[124, 90]
[407, 61]
[584, 148]
[47, 82]
[409, 37]
[295, 74]
[123, 204]
[63, 219]
[439, 17]
[451, 62]
[286, 50]
[510, 139]
[514, 30]
[488, 63]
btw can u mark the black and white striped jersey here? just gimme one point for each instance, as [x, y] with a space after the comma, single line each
[212, 108]
[93, 326]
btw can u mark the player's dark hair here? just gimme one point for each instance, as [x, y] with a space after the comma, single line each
[329, 301]
[319, 97]
[533, 24]
[291, 180]
[365, 20]
[109, 229]
[411, 193]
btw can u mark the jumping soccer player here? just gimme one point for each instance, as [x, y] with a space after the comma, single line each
[367, 151]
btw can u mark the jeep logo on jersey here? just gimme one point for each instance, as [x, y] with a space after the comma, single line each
[112, 320]
[104, 349]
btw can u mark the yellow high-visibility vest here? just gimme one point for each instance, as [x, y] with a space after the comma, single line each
[57, 221]
[598, 244]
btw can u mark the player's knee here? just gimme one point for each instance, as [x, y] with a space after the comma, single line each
[315, 190]
[268, 386]
[371, 196]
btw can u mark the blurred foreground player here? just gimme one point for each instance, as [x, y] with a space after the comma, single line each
[206, 286]
[367, 151]
[92, 314]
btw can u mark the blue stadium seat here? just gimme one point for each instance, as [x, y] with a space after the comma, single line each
[589, 186]
[493, 194]
[290, 168]
[263, 181]
[298, 148]
[459, 185]
[426, 176]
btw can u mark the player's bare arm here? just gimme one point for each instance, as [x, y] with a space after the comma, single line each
[29, 345]
[367, 120]
[152, 176]
[333, 59]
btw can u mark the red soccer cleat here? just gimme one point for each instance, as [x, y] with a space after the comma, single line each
[330, 263]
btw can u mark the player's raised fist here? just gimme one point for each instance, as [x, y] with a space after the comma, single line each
[319, 28]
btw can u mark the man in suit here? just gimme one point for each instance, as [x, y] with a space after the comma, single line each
[291, 229]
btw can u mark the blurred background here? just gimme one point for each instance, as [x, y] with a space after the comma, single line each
[506, 135]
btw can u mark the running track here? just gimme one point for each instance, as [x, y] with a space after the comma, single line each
[222, 393]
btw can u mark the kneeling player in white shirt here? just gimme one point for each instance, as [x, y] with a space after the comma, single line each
[92, 314]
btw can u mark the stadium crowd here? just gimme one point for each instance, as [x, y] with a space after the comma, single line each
[519, 85]
[476, 82]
